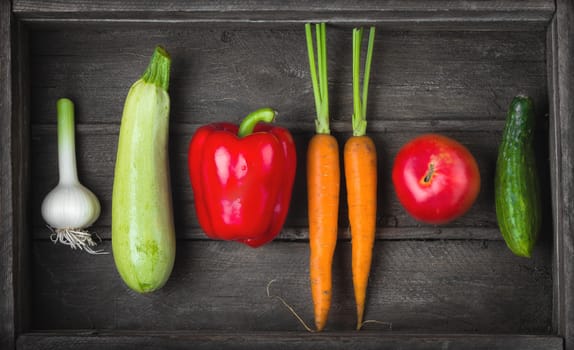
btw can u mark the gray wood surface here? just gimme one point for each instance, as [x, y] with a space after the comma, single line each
[14, 107]
[7, 302]
[443, 66]
[219, 73]
[416, 286]
[418, 13]
[21, 178]
[288, 340]
[510, 6]
[561, 36]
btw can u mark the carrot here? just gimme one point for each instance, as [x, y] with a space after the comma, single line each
[360, 163]
[323, 190]
[323, 182]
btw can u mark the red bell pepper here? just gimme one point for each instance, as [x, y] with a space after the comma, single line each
[242, 178]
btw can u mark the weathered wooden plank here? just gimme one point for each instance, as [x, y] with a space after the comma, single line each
[450, 81]
[416, 75]
[21, 177]
[97, 161]
[301, 233]
[283, 340]
[481, 125]
[561, 80]
[7, 273]
[416, 12]
[417, 286]
[270, 5]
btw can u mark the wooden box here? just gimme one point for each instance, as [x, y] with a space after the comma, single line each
[443, 66]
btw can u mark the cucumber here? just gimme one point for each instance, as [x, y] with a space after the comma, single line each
[516, 183]
[143, 236]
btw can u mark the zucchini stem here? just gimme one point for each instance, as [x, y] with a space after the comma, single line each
[157, 71]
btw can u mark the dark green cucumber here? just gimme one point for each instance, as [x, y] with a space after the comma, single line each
[516, 184]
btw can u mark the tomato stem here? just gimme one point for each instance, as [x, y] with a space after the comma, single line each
[429, 174]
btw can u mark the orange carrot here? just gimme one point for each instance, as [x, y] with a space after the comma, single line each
[360, 159]
[323, 181]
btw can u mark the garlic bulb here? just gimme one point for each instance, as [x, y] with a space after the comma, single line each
[70, 207]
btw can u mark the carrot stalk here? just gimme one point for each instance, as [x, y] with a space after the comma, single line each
[360, 163]
[323, 182]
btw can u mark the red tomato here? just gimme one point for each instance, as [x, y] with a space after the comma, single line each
[436, 178]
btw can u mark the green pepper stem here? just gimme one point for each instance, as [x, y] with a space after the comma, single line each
[157, 71]
[68, 172]
[360, 104]
[266, 115]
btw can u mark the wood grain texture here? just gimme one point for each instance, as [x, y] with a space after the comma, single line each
[227, 72]
[561, 71]
[417, 286]
[7, 311]
[455, 79]
[21, 176]
[270, 5]
[417, 13]
[283, 340]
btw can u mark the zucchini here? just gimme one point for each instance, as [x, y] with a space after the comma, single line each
[143, 236]
[516, 184]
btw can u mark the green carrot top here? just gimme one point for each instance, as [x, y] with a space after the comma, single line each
[360, 102]
[319, 77]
